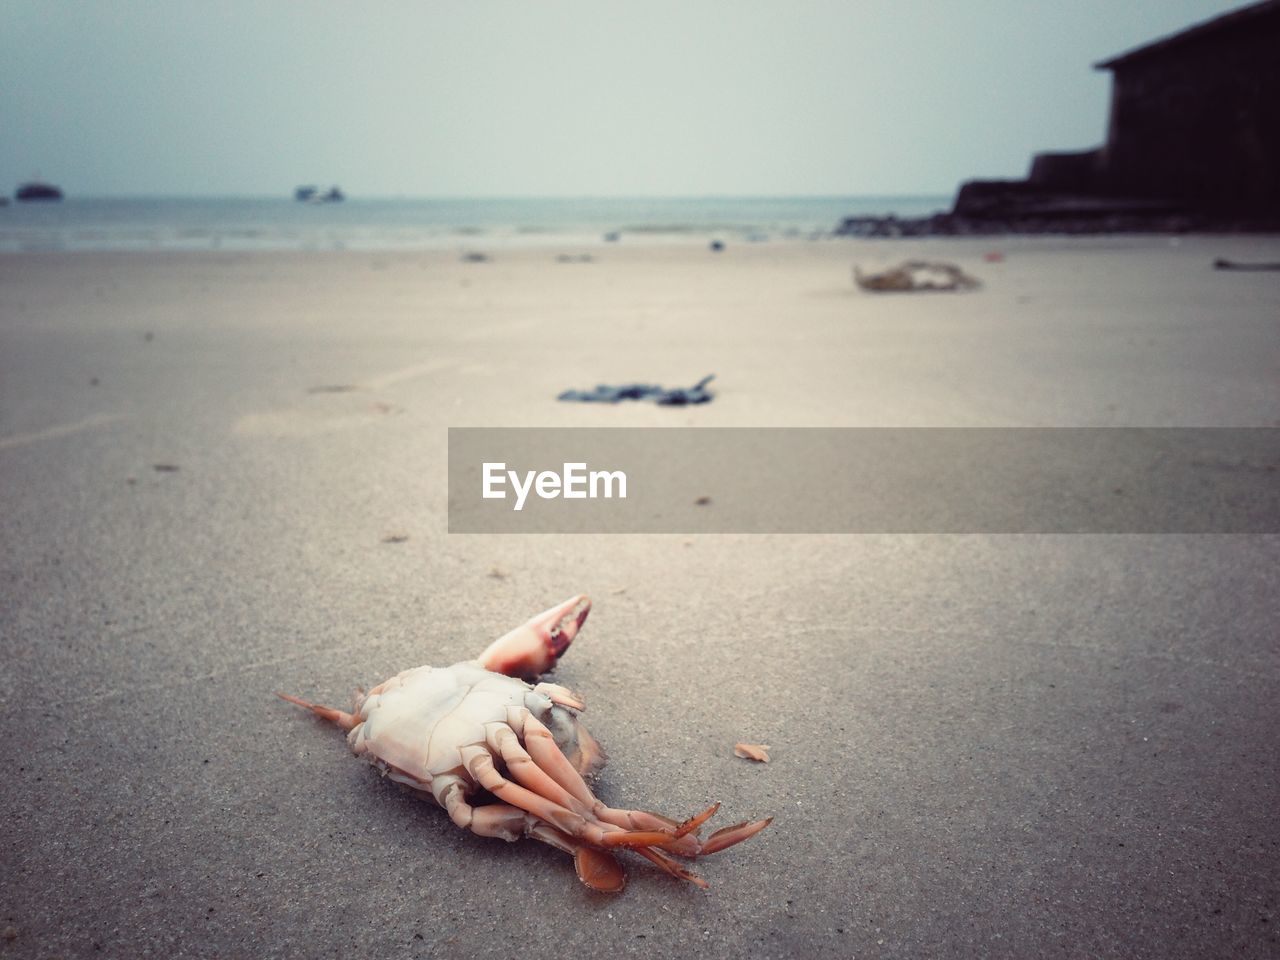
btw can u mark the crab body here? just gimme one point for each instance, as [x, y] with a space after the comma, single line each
[476, 729]
[415, 726]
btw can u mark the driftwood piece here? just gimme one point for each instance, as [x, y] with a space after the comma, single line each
[915, 276]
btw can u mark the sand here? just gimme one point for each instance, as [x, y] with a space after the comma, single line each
[981, 746]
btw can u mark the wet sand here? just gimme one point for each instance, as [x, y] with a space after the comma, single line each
[224, 474]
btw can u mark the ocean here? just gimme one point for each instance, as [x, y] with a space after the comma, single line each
[408, 224]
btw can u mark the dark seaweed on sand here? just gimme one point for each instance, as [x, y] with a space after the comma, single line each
[675, 397]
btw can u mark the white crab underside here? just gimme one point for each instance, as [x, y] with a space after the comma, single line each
[419, 720]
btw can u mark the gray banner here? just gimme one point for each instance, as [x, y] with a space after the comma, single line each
[865, 480]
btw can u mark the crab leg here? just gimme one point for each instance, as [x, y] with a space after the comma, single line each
[728, 836]
[450, 791]
[526, 771]
[500, 820]
[479, 764]
[533, 649]
[661, 860]
[343, 719]
[598, 869]
[503, 740]
[548, 757]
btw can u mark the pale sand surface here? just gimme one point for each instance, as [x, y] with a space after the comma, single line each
[982, 746]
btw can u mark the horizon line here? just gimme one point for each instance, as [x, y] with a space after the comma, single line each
[288, 195]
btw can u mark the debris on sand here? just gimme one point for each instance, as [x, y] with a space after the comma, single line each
[497, 573]
[759, 752]
[165, 467]
[702, 502]
[332, 388]
[915, 275]
[675, 397]
[476, 258]
[395, 538]
[1221, 264]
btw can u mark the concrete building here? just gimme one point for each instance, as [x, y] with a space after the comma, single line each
[1194, 129]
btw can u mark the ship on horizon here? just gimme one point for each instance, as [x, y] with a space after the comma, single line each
[37, 190]
[311, 194]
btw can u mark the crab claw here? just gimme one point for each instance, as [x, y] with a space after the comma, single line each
[533, 649]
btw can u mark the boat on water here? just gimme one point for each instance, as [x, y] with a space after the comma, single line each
[37, 190]
[310, 194]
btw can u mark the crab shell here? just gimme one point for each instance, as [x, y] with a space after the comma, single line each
[476, 728]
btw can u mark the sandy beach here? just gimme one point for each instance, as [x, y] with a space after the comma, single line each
[224, 474]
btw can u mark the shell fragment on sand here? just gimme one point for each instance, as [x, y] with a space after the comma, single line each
[758, 752]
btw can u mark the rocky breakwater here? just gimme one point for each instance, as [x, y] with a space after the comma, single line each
[986, 207]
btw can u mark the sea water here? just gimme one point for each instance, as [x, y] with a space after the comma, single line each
[408, 224]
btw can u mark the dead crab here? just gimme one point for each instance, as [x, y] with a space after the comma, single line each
[456, 731]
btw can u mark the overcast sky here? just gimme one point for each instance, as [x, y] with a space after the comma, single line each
[578, 98]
